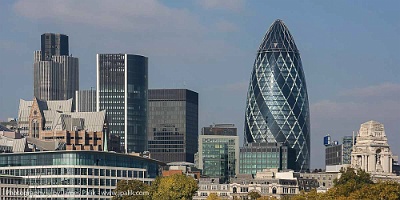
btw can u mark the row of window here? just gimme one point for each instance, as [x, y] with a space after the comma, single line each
[74, 171]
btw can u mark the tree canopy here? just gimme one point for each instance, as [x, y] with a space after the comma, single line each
[131, 190]
[174, 187]
[355, 184]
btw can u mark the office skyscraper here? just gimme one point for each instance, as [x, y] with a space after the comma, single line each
[255, 157]
[85, 101]
[277, 108]
[122, 91]
[173, 124]
[220, 129]
[219, 151]
[54, 44]
[56, 74]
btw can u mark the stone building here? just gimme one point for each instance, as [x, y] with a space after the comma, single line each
[371, 152]
[269, 182]
[44, 122]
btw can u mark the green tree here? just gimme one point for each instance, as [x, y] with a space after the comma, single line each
[131, 190]
[382, 190]
[213, 196]
[253, 195]
[350, 181]
[360, 176]
[174, 187]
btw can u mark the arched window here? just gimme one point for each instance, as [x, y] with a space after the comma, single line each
[274, 190]
[234, 190]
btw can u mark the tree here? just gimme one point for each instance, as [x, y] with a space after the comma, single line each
[131, 190]
[360, 176]
[253, 195]
[382, 190]
[213, 196]
[174, 187]
[355, 185]
[267, 198]
[350, 181]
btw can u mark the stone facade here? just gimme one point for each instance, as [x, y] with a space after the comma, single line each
[46, 121]
[371, 151]
[269, 183]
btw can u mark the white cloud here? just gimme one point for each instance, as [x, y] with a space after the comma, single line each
[383, 90]
[138, 16]
[146, 27]
[234, 5]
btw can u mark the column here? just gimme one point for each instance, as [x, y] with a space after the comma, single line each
[372, 161]
[384, 163]
[365, 163]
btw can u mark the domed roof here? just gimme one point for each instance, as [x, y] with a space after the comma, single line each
[278, 38]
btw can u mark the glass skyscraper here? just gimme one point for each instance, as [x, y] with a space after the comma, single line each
[53, 44]
[55, 73]
[277, 108]
[219, 152]
[255, 157]
[173, 124]
[122, 92]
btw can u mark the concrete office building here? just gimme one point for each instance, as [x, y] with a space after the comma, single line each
[79, 175]
[220, 129]
[338, 154]
[173, 124]
[56, 74]
[122, 81]
[12, 188]
[85, 101]
[219, 154]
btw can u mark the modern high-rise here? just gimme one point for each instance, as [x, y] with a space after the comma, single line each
[56, 74]
[277, 108]
[219, 151]
[255, 157]
[54, 44]
[122, 91]
[173, 124]
[338, 154]
[220, 129]
[85, 101]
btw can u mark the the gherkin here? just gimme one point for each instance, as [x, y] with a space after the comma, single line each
[277, 108]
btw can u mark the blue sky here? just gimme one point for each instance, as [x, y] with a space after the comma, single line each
[350, 53]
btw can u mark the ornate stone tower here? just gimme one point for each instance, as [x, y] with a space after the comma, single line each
[371, 151]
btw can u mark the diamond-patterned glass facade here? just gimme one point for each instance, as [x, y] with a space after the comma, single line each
[277, 108]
